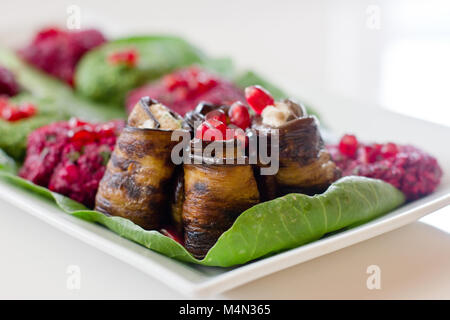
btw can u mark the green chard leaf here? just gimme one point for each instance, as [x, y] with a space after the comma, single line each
[223, 67]
[7, 164]
[265, 229]
[53, 95]
[54, 100]
[98, 80]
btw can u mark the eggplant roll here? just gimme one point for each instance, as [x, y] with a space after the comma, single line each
[304, 162]
[214, 196]
[305, 166]
[140, 173]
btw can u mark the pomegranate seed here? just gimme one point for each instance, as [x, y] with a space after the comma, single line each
[211, 130]
[126, 57]
[258, 98]
[3, 102]
[16, 115]
[106, 132]
[171, 82]
[201, 129]
[348, 145]
[170, 232]
[76, 123]
[365, 154]
[239, 115]
[204, 83]
[237, 134]
[190, 82]
[217, 114]
[220, 127]
[389, 150]
[83, 135]
[71, 172]
[10, 112]
[27, 110]
[369, 153]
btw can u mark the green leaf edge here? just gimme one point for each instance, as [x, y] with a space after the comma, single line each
[42, 86]
[227, 251]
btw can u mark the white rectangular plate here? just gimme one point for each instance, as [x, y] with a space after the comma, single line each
[369, 123]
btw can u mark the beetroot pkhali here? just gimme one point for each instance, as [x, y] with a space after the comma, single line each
[407, 168]
[70, 157]
[57, 51]
[8, 85]
[185, 88]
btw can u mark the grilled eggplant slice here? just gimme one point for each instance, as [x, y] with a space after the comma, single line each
[176, 205]
[140, 173]
[305, 165]
[215, 194]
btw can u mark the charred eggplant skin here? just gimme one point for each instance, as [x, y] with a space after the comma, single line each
[215, 195]
[304, 162]
[305, 166]
[177, 200]
[138, 177]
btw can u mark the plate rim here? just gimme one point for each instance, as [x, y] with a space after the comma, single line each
[228, 279]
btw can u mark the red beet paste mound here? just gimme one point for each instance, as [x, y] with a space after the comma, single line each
[57, 52]
[70, 157]
[408, 168]
[185, 88]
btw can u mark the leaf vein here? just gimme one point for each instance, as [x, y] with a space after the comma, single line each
[361, 195]
[325, 218]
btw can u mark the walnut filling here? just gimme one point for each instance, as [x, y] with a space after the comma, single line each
[274, 117]
[280, 113]
[161, 118]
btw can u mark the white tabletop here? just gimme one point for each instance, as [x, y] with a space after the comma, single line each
[414, 263]
[353, 49]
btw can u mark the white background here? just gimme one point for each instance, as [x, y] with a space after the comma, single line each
[393, 54]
